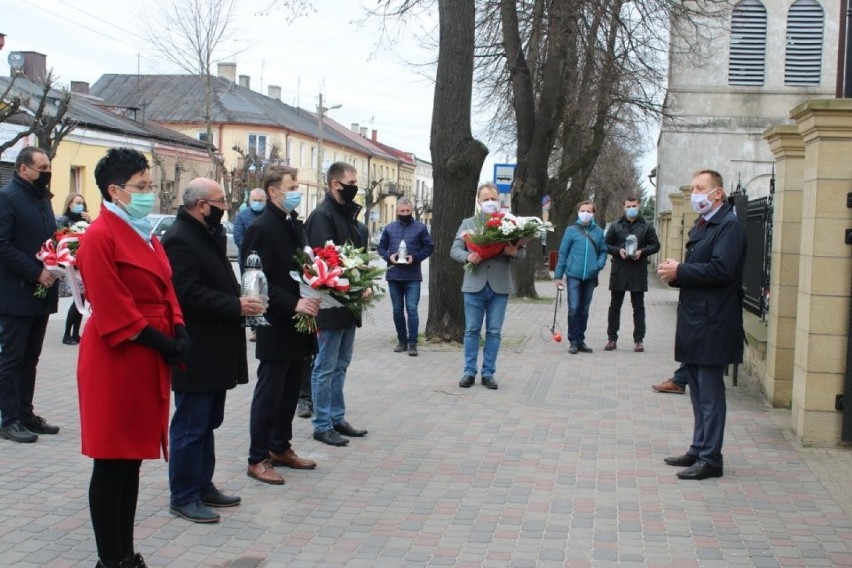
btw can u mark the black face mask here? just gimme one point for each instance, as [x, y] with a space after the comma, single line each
[348, 192]
[405, 219]
[214, 218]
[43, 180]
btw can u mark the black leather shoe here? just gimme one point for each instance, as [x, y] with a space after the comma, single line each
[196, 512]
[685, 460]
[700, 470]
[331, 438]
[412, 350]
[305, 409]
[467, 381]
[573, 349]
[138, 561]
[584, 348]
[489, 383]
[215, 498]
[70, 341]
[401, 347]
[38, 425]
[348, 429]
[17, 433]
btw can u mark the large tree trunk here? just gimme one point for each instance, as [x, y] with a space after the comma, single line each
[457, 160]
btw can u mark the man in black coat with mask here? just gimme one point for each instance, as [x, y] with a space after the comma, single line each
[283, 352]
[709, 333]
[26, 222]
[209, 297]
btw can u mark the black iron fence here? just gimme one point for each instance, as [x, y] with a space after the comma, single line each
[757, 264]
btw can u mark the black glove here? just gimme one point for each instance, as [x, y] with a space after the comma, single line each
[154, 339]
[183, 343]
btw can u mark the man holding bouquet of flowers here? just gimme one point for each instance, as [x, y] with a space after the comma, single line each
[486, 290]
[335, 220]
[26, 221]
[283, 352]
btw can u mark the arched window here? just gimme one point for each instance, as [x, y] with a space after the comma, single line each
[747, 64]
[803, 60]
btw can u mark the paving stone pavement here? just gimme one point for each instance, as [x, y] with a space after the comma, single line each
[562, 466]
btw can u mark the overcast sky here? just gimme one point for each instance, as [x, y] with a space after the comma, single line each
[383, 86]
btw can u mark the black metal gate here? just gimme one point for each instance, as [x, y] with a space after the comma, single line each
[758, 254]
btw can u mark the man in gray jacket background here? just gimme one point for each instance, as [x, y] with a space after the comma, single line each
[486, 292]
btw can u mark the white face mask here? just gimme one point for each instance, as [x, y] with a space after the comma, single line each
[585, 217]
[700, 202]
[489, 207]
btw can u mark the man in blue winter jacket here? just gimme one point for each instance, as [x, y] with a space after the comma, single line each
[247, 216]
[404, 275]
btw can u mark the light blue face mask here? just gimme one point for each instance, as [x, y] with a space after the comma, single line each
[257, 206]
[140, 204]
[631, 212]
[291, 200]
[77, 209]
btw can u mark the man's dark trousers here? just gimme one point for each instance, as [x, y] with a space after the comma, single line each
[273, 406]
[21, 339]
[614, 315]
[191, 440]
[707, 392]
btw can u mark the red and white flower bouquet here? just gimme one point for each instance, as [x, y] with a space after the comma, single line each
[339, 276]
[58, 254]
[491, 235]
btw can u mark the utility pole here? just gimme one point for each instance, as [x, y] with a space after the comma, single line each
[321, 110]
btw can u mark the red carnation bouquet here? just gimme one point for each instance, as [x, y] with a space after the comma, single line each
[339, 276]
[58, 254]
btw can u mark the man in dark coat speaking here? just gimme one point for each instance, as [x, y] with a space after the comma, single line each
[709, 331]
[629, 270]
[209, 297]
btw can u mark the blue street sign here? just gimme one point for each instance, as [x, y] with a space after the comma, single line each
[503, 176]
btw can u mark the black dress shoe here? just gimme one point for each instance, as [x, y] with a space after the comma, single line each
[573, 349]
[467, 381]
[584, 348]
[305, 409]
[38, 425]
[700, 470]
[70, 341]
[215, 498]
[196, 512]
[17, 432]
[685, 460]
[489, 383]
[331, 438]
[348, 429]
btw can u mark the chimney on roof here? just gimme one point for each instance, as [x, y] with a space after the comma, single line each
[354, 127]
[274, 92]
[245, 81]
[375, 136]
[228, 71]
[363, 131]
[81, 87]
[35, 65]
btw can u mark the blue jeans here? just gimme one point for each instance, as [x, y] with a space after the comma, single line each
[332, 360]
[193, 457]
[579, 299]
[492, 307]
[405, 296]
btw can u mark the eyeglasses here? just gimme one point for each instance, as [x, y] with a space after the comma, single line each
[139, 187]
[219, 201]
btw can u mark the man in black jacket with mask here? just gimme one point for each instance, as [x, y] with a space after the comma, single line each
[335, 219]
[209, 297]
[26, 222]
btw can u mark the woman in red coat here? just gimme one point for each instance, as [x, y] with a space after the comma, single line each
[134, 334]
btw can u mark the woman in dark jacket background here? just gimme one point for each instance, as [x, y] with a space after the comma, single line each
[75, 211]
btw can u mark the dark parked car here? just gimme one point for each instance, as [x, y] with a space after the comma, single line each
[162, 222]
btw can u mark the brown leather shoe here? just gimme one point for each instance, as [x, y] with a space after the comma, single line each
[263, 471]
[610, 345]
[291, 460]
[668, 386]
[638, 347]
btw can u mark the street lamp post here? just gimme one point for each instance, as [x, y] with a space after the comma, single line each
[321, 110]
